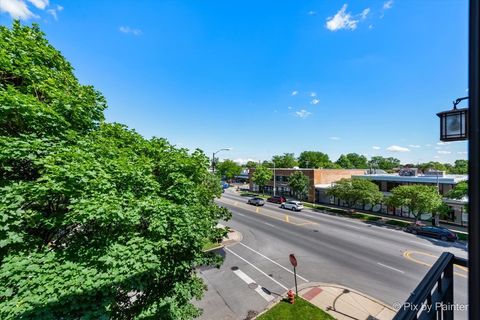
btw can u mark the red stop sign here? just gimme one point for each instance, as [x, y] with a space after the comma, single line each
[293, 260]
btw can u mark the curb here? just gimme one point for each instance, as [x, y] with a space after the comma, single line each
[303, 286]
[324, 284]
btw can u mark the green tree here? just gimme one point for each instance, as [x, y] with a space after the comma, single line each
[356, 191]
[298, 183]
[261, 176]
[384, 163]
[228, 169]
[432, 165]
[287, 160]
[251, 164]
[97, 222]
[344, 162]
[460, 167]
[417, 198]
[266, 163]
[459, 191]
[313, 159]
[352, 161]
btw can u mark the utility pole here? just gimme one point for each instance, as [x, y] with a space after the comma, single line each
[274, 178]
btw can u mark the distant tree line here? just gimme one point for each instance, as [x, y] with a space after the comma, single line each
[317, 160]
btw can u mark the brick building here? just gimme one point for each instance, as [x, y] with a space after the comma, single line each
[315, 177]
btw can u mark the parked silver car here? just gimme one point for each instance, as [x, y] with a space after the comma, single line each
[292, 205]
[256, 201]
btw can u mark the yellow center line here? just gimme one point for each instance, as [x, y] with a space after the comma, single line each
[257, 210]
[408, 255]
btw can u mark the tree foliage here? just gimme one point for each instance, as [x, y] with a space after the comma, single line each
[298, 183]
[384, 163]
[251, 164]
[352, 161]
[313, 159]
[417, 198]
[97, 222]
[459, 191]
[460, 167]
[287, 160]
[228, 169]
[261, 176]
[355, 191]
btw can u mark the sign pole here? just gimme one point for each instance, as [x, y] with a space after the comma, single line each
[295, 275]
[293, 261]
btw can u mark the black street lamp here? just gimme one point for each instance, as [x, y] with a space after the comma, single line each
[454, 123]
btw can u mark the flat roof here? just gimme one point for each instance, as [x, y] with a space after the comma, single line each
[448, 178]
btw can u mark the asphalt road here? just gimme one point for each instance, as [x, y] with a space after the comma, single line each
[384, 263]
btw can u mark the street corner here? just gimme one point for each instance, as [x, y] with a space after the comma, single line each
[233, 237]
[345, 303]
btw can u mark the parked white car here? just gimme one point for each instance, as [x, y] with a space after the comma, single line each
[292, 205]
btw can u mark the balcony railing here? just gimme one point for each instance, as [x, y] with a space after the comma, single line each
[433, 296]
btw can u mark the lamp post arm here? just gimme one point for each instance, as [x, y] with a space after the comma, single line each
[456, 102]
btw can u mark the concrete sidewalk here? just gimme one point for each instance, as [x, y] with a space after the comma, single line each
[343, 303]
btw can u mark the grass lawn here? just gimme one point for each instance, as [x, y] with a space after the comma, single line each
[209, 245]
[302, 309]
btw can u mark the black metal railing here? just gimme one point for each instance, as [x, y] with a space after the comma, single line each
[434, 295]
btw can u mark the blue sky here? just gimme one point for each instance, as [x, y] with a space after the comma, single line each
[268, 77]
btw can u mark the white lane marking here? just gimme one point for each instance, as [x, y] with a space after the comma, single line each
[270, 225]
[256, 268]
[272, 261]
[353, 227]
[388, 267]
[249, 280]
[240, 214]
[423, 244]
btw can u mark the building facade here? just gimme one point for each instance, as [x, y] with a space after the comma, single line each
[386, 182]
[315, 177]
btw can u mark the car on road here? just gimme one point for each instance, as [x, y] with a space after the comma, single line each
[277, 199]
[292, 205]
[256, 201]
[431, 231]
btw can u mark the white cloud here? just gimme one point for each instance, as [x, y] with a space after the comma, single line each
[387, 4]
[414, 146]
[444, 152]
[436, 157]
[315, 101]
[462, 152]
[370, 26]
[128, 30]
[428, 145]
[442, 143]
[244, 161]
[17, 9]
[54, 11]
[341, 20]
[303, 113]
[365, 13]
[313, 94]
[376, 148]
[294, 93]
[289, 108]
[395, 148]
[334, 138]
[40, 4]
[312, 13]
